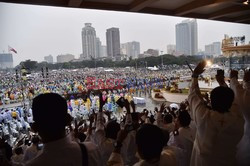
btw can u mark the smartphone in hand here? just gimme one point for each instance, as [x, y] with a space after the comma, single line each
[220, 72]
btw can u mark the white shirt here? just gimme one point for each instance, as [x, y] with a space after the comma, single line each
[65, 152]
[217, 134]
[167, 158]
[242, 95]
[106, 145]
[185, 141]
[159, 121]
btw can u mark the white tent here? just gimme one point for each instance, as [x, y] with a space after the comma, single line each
[109, 70]
[153, 68]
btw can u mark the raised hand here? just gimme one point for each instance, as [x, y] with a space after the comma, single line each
[199, 69]
[91, 118]
[234, 74]
[163, 106]
[102, 103]
[220, 77]
[122, 134]
[108, 113]
[132, 103]
[247, 76]
[127, 106]
[156, 109]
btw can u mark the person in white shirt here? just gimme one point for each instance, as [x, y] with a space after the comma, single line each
[105, 135]
[184, 136]
[164, 121]
[242, 94]
[50, 120]
[218, 129]
[150, 141]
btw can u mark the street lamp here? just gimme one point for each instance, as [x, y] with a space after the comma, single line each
[162, 59]
[136, 64]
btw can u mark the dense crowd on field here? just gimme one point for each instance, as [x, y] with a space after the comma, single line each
[107, 128]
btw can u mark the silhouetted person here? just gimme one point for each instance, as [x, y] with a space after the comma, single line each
[50, 119]
[218, 130]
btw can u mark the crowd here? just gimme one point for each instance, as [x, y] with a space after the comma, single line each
[106, 128]
[14, 88]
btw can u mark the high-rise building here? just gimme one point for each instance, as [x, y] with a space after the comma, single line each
[131, 49]
[98, 47]
[65, 58]
[113, 43]
[88, 42]
[103, 51]
[171, 48]
[49, 59]
[217, 48]
[213, 49]
[187, 37]
[124, 48]
[6, 60]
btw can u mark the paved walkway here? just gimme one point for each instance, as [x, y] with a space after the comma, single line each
[174, 97]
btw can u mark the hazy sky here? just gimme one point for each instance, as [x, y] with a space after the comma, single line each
[38, 31]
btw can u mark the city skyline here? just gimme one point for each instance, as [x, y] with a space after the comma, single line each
[38, 31]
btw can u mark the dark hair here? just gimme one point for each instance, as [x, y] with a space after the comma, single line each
[81, 136]
[50, 112]
[152, 119]
[135, 116]
[150, 141]
[222, 99]
[168, 118]
[112, 129]
[19, 150]
[166, 135]
[35, 140]
[184, 118]
[27, 142]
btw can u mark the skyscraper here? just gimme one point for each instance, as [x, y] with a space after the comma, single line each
[186, 37]
[113, 43]
[213, 49]
[131, 49]
[103, 51]
[98, 47]
[49, 58]
[88, 42]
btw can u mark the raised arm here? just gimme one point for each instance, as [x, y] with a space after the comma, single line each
[242, 94]
[220, 78]
[236, 86]
[159, 119]
[197, 106]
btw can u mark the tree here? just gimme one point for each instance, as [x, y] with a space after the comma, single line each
[29, 64]
[130, 58]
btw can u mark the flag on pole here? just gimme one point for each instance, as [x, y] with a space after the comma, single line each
[12, 49]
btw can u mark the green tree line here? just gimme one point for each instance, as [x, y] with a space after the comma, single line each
[140, 63]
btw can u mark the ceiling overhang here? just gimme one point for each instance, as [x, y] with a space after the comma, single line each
[222, 10]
